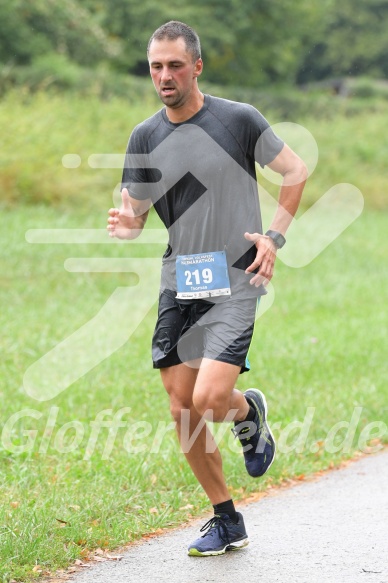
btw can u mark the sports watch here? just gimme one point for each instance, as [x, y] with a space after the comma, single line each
[277, 238]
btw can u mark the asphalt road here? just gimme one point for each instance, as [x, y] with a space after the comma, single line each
[333, 529]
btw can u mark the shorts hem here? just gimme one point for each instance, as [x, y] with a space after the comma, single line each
[173, 362]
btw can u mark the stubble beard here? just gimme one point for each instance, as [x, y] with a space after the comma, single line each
[174, 102]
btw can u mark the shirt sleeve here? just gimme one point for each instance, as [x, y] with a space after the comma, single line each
[267, 145]
[136, 172]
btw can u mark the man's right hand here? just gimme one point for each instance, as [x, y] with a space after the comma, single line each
[122, 221]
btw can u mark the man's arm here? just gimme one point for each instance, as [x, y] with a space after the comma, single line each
[294, 173]
[128, 221]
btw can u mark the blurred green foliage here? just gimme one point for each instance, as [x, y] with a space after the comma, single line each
[44, 126]
[355, 42]
[29, 30]
[248, 43]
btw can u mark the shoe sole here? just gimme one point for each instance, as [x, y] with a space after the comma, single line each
[236, 546]
[265, 424]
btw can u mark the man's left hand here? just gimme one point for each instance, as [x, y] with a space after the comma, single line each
[265, 258]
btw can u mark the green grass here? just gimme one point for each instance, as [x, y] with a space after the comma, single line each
[42, 128]
[321, 345]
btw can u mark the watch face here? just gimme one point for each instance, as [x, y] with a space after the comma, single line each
[277, 238]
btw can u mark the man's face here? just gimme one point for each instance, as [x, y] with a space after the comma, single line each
[173, 71]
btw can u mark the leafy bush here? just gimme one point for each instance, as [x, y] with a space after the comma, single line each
[49, 69]
[367, 88]
[31, 29]
[57, 72]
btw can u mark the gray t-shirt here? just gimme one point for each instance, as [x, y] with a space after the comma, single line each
[200, 176]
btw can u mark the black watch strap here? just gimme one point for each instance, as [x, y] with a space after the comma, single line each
[277, 238]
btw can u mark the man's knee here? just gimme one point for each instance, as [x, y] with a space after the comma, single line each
[179, 384]
[178, 407]
[211, 403]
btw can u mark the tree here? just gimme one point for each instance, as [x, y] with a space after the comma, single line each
[353, 42]
[244, 43]
[31, 29]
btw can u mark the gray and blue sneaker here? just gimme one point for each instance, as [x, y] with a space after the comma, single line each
[222, 535]
[256, 437]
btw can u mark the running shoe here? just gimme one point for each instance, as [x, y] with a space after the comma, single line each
[221, 535]
[256, 437]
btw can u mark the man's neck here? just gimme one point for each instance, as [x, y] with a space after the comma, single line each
[188, 110]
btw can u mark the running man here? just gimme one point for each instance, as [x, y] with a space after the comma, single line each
[197, 169]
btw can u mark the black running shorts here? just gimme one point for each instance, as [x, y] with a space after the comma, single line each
[187, 331]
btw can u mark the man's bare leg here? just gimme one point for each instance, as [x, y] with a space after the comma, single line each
[214, 392]
[187, 387]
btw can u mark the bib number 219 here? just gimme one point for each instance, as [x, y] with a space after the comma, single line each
[204, 276]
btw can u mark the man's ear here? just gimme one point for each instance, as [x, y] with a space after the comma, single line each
[198, 67]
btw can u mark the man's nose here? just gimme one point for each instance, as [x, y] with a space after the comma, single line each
[166, 74]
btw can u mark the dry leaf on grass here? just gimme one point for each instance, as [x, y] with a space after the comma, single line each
[37, 569]
[80, 563]
[85, 553]
[255, 497]
[62, 522]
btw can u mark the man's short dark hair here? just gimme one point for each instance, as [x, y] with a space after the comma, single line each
[173, 30]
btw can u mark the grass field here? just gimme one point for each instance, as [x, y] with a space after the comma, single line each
[318, 351]
[42, 128]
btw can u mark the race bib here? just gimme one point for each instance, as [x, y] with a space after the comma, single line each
[202, 275]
